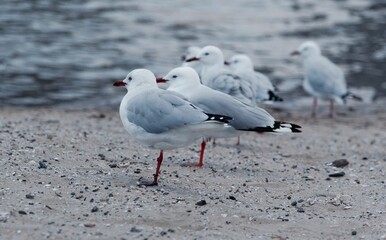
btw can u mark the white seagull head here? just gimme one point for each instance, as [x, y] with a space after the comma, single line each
[209, 55]
[136, 78]
[181, 76]
[190, 52]
[240, 62]
[307, 49]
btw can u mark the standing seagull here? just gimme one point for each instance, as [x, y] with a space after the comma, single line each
[215, 75]
[161, 119]
[322, 78]
[242, 65]
[185, 81]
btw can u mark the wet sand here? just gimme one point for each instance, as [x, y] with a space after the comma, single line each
[73, 175]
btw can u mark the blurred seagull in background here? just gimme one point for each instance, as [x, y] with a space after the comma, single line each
[242, 66]
[215, 75]
[322, 78]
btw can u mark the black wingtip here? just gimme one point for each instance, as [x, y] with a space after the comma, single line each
[295, 130]
[219, 118]
[273, 97]
[351, 95]
[277, 127]
[292, 126]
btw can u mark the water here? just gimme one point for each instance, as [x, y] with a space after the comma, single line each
[68, 53]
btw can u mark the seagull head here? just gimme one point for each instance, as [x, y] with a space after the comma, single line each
[209, 55]
[135, 78]
[307, 49]
[240, 62]
[181, 76]
[190, 52]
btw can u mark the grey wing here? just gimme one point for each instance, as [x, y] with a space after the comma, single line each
[235, 86]
[244, 116]
[264, 80]
[162, 111]
[258, 86]
[325, 78]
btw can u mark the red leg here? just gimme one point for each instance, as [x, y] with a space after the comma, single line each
[155, 181]
[201, 161]
[314, 107]
[331, 108]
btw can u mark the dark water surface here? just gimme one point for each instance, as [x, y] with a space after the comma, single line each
[69, 52]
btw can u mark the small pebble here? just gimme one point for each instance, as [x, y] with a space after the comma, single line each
[89, 225]
[21, 212]
[354, 233]
[201, 203]
[340, 163]
[113, 165]
[42, 164]
[94, 209]
[301, 210]
[294, 203]
[337, 174]
[232, 198]
[29, 196]
[135, 230]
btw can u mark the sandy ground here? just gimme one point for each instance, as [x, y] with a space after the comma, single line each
[269, 187]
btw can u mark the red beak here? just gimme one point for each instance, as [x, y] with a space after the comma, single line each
[227, 63]
[161, 80]
[296, 52]
[192, 59]
[120, 83]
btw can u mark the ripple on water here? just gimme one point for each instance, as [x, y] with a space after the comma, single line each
[69, 52]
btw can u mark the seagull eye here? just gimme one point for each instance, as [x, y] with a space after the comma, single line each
[206, 54]
[130, 78]
[174, 76]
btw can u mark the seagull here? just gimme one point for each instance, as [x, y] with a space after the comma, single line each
[215, 75]
[245, 118]
[189, 53]
[242, 65]
[162, 119]
[322, 78]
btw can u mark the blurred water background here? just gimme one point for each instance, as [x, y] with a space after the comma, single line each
[68, 53]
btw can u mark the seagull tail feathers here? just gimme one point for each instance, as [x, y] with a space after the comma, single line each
[351, 95]
[278, 127]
